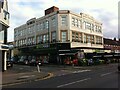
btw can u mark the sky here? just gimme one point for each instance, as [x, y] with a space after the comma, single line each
[105, 11]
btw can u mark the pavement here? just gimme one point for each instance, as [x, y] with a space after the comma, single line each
[11, 76]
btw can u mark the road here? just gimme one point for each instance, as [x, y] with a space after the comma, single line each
[90, 77]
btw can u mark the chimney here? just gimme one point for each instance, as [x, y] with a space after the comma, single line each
[114, 39]
[51, 9]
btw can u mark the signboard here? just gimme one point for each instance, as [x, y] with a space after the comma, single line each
[1, 36]
[4, 47]
[80, 54]
[42, 46]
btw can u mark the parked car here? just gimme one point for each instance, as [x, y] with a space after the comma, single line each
[9, 63]
[34, 61]
[90, 62]
[23, 60]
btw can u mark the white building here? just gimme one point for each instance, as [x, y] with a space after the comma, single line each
[81, 31]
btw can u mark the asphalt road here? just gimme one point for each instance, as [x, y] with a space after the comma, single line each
[93, 77]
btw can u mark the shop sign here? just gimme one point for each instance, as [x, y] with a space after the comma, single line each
[42, 46]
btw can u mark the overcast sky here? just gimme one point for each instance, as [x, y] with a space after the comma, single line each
[106, 11]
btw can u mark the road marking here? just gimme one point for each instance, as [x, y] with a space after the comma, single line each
[21, 68]
[81, 71]
[105, 74]
[73, 82]
[49, 76]
[27, 76]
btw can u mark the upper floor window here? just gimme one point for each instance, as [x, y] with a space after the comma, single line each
[88, 39]
[85, 38]
[99, 29]
[6, 15]
[79, 23]
[53, 36]
[88, 25]
[47, 24]
[44, 25]
[38, 27]
[73, 36]
[84, 25]
[63, 20]
[92, 27]
[53, 22]
[98, 40]
[64, 36]
[76, 22]
[77, 36]
[73, 21]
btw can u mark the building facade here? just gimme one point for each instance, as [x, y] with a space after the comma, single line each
[4, 24]
[58, 33]
[112, 46]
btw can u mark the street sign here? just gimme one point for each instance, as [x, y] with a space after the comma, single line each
[4, 47]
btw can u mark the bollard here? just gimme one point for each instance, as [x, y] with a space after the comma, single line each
[38, 68]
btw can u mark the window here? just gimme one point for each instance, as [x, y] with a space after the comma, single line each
[84, 25]
[63, 20]
[99, 29]
[6, 15]
[85, 38]
[53, 36]
[88, 39]
[38, 27]
[98, 40]
[76, 22]
[92, 27]
[73, 21]
[77, 37]
[43, 25]
[96, 28]
[88, 25]
[47, 37]
[16, 43]
[53, 22]
[39, 39]
[73, 36]
[80, 37]
[1, 36]
[64, 34]
[92, 39]
[47, 26]
[79, 23]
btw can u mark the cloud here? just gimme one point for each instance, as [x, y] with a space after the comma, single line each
[105, 11]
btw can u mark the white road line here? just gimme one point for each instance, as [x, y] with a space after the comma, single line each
[27, 76]
[81, 71]
[73, 82]
[105, 74]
